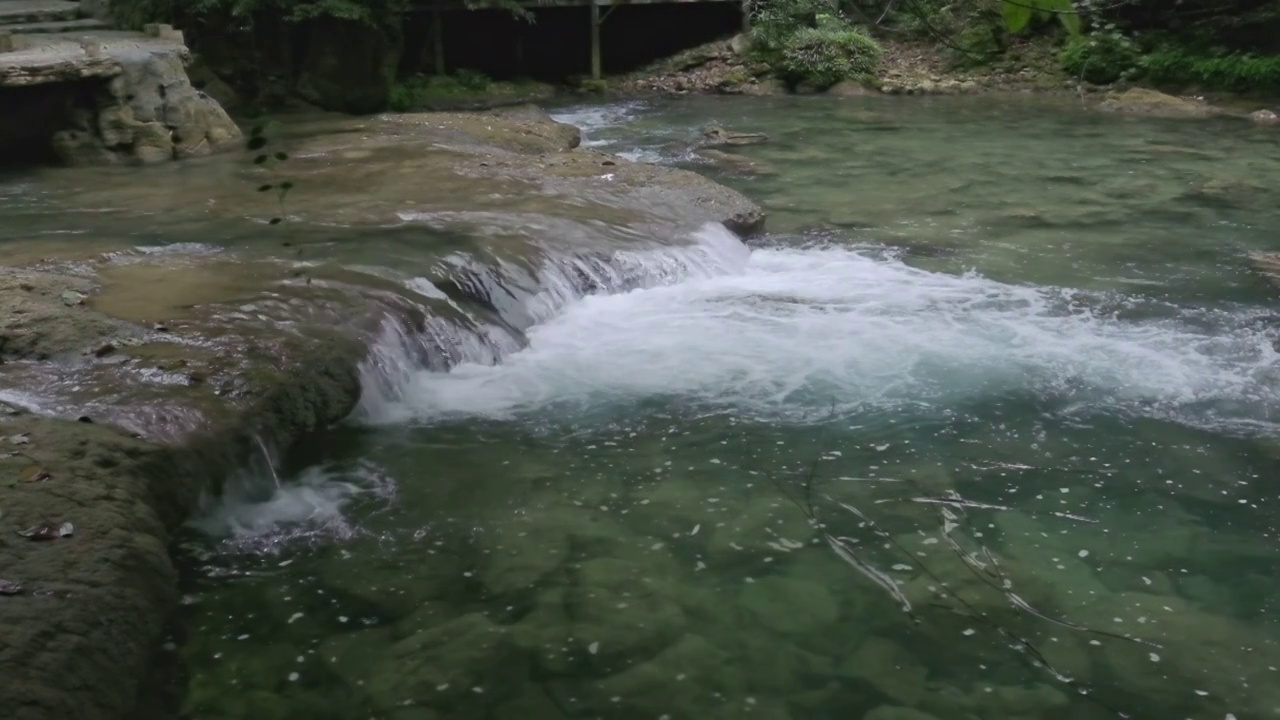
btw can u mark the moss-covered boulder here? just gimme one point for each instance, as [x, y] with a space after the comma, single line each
[1152, 103]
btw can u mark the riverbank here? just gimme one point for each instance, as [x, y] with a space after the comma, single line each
[141, 370]
[906, 68]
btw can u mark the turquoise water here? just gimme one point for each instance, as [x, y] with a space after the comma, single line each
[985, 427]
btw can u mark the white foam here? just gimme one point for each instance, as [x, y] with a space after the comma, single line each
[397, 354]
[593, 118]
[309, 505]
[792, 331]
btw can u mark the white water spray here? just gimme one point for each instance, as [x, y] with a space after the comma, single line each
[309, 506]
[793, 330]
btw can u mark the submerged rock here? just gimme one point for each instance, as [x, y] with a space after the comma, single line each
[896, 712]
[465, 662]
[1141, 101]
[691, 679]
[530, 703]
[788, 606]
[522, 553]
[618, 609]
[888, 668]
[730, 162]
[715, 135]
[1265, 117]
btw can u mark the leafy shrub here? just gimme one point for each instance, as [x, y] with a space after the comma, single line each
[978, 43]
[1100, 58]
[773, 22]
[1234, 71]
[471, 80]
[823, 56]
[410, 94]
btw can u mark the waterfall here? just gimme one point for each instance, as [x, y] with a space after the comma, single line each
[507, 300]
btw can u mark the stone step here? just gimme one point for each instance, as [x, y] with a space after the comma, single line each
[60, 26]
[26, 12]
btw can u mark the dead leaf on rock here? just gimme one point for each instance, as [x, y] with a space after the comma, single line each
[34, 473]
[71, 298]
[9, 587]
[20, 439]
[48, 531]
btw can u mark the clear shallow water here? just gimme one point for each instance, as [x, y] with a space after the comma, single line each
[917, 450]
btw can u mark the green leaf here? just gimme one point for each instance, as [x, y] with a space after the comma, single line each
[1016, 15]
[256, 142]
[264, 188]
[282, 156]
[260, 159]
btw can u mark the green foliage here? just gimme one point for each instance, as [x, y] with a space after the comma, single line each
[471, 80]
[421, 92]
[978, 44]
[773, 22]
[1231, 71]
[803, 41]
[1019, 14]
[1099, 58]
[823, 56]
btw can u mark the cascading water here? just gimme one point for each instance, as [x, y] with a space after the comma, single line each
[791, 332]
[829, 475]
[529, 298]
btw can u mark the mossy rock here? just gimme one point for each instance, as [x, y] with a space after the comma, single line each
[1152, 103]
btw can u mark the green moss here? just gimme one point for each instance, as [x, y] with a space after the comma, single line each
[1234, 71]
[1101, 58]
[463, 89]
[736, 76]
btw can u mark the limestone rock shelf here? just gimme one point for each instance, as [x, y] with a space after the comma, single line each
[100, 97]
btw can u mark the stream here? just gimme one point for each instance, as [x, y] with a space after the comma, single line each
[984, 426]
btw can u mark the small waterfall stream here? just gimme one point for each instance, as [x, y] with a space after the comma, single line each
[608, 482]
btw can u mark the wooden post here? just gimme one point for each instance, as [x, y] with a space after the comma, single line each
[437, 39]
[596, 70]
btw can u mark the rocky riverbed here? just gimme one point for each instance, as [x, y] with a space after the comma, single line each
[158, 330]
